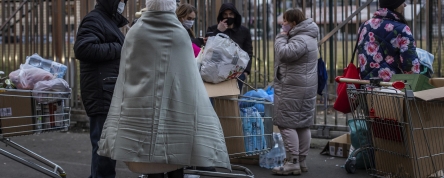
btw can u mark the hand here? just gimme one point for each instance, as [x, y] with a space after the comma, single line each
[222, 26]
[284, 33]
[246, 74]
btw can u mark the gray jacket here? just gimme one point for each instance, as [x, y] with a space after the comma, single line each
[296, 80]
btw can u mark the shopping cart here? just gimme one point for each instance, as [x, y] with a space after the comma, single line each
[25, 112]
[248, 130]
[401, 135]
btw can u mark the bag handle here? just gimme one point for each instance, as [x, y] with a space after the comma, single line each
[223, 35]
[356, 46]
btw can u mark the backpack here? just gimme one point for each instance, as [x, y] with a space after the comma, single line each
[322, 75]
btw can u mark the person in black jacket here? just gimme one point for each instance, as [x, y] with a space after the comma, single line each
[98, 46]
[229, 22]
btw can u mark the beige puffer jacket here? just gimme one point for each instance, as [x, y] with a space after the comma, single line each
[296, 78]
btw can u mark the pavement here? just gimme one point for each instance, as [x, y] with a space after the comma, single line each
[71, 150]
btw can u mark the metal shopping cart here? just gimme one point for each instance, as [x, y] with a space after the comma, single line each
[25, 112]
[248, 129]
[402, 132]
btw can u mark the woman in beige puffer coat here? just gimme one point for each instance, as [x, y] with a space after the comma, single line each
[295, 86]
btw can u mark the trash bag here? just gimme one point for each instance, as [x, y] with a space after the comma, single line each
[359, 135]
[27, 76]
[255, 94]
[223, 59]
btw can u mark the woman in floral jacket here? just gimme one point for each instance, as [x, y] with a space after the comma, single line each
[386, 44]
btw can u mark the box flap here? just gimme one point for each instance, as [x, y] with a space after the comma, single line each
[431, 94]
[437, 82]
[226, 88]
[342, 139]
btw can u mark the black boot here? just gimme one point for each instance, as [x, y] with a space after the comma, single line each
[210, 169]
[175, 174]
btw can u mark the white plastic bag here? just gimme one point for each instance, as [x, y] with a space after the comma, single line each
[222, 59]
[199, 58]
[27, 76]
[54, 85]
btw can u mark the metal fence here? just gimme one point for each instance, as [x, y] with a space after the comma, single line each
[49, 27]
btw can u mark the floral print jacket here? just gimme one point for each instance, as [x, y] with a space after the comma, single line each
[386, 47]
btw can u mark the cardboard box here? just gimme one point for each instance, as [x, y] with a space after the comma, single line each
[250, 160]
[340, 146]
[12, 106]
[229, 114]
[402, 147]
[227, 88]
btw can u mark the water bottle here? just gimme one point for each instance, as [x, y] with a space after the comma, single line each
[33, 61]
[59, 70]
[270, 159]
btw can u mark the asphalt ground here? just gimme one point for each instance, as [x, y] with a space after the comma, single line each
[72, 151]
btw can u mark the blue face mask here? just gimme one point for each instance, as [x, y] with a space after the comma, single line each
[121, 7]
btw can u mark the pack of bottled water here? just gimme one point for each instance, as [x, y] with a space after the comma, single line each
[55, 68]
[276, 156]
[253, 128]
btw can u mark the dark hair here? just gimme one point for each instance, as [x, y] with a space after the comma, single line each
[400, 16]
[294, 15]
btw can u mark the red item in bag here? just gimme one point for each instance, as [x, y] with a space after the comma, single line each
[342, 103]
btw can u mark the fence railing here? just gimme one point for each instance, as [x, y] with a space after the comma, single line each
[49, 29]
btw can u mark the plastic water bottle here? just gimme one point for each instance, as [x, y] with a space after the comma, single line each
[59, 70]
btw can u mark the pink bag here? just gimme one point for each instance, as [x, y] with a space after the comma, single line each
[196, 49]
[27, 76]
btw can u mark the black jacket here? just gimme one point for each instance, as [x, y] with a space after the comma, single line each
[197, 41]
[239, 34]
[98, 45]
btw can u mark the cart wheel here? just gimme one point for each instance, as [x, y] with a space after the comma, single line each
[350, 166]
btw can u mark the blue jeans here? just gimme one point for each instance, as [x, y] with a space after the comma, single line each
[101, 167]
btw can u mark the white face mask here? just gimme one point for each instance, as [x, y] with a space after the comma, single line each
[188, 24]
[121, 7]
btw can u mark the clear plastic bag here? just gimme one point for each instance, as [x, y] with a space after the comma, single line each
[199, 58]
[253, 127]
[276, 156]
[27, 76]
[222, 59]
[55, 68]
[54, 85]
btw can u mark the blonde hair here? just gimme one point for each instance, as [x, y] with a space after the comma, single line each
[182, 12]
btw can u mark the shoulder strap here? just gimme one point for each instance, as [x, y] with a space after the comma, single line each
[356, 46]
